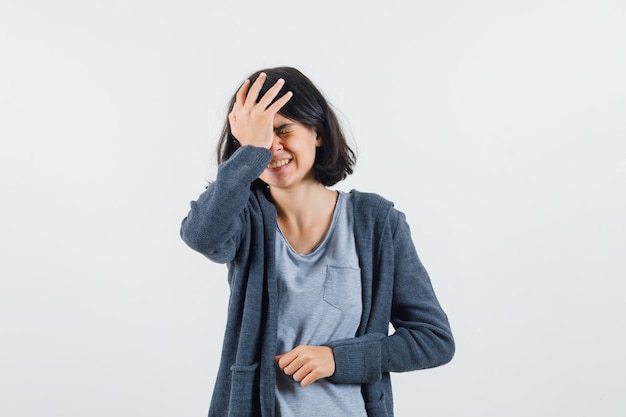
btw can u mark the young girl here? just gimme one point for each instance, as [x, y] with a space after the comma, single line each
[315, 275]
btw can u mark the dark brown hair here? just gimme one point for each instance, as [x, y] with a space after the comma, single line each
[334, 160]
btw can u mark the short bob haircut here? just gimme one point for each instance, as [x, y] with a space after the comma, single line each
[334, 160]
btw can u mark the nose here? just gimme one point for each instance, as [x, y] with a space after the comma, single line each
[277, 144]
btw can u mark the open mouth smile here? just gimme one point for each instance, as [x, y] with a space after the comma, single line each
[278, 164]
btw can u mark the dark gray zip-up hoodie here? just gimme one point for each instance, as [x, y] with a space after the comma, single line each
[234, 222]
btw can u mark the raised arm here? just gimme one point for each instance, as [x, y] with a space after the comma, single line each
[217, 218]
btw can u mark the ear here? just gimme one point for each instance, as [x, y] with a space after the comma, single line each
[318, 140]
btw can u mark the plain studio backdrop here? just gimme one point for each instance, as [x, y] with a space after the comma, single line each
[498, 127]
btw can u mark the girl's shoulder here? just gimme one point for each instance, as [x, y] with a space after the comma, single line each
[371, 208]
[370, 200]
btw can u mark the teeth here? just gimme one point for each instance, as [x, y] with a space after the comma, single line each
[278, 164]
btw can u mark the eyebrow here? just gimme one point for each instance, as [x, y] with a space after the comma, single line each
[281, 127]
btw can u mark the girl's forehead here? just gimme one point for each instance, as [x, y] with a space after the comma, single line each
[279, 119]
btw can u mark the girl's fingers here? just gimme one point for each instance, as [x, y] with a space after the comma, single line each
[254, 90]
[308, 380]
[285, 359]
[302, 373]
[294, 366]
[251, 122]
[247, 95]
[241, 94]
[271, 94]
[278, 104]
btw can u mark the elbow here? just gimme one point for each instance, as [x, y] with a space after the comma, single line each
[191, 239]
[443, 347]
[440, 352]
[448, 349]
[217, 251]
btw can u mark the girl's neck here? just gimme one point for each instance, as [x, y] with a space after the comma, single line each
[305, 215]
[305, 204]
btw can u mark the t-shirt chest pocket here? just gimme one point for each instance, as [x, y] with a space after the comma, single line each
[342, 287]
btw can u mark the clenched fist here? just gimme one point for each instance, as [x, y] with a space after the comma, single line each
[307, 364]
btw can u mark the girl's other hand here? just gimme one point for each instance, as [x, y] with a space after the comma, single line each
[307, 364]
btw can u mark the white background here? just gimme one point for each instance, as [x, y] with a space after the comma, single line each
[498, 127]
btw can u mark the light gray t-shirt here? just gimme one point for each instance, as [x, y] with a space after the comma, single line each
[320, 301]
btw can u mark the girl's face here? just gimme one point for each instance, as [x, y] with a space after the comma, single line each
[293, 154]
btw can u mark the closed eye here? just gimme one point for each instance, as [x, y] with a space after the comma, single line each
[283, 129]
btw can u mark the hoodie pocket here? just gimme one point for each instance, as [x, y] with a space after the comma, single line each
[244, 391]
